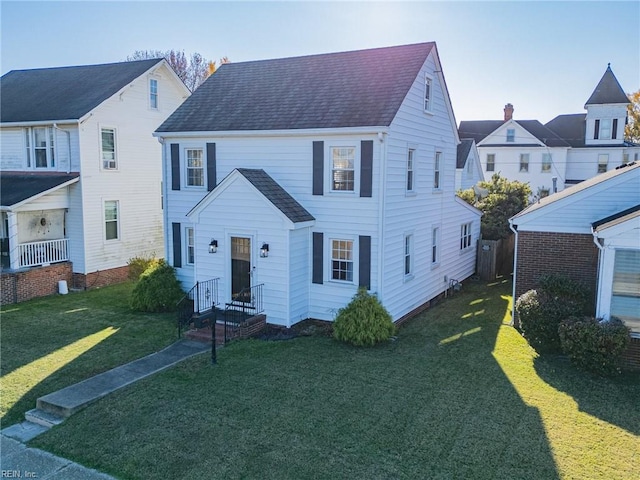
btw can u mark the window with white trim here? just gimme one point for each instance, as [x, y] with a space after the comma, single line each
[40, 145]
[410, 164]
[603, 162]
[465, 236]
[546, 163]
[491, 162]
[153, 93]
[435, 246]
[524, 162]
[111, 224]
[190, 250]
[605, 129]
[625, 293]
[108, 148]
[511, 135]
[428, 92]
[436, 170]
[195, 167]
[342, 260]
[343, 169]
[408, 255]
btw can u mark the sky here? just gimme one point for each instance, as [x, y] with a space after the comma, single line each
[544, 57]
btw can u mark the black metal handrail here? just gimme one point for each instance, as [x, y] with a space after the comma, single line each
[203, 297]
[246, 303]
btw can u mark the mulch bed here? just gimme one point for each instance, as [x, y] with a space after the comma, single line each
[305, 328]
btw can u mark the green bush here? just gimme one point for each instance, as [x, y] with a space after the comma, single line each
[364, 321]
[595, 346]
[540, 311]
[158, 289]
[138, 265]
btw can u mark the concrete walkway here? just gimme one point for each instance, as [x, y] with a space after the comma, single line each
[54, 408]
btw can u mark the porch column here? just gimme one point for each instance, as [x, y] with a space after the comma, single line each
[14, 251]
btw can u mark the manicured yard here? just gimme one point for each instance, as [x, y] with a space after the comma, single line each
[459, 394]
[50, 343]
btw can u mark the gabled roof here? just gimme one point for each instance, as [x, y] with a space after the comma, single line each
[348, 89]
[463, 151]
[276, 195]
[570, 127]
[16, 187]
[481, 129]
[574, 189]
[64, 93]
[608, 90]
[617, 218]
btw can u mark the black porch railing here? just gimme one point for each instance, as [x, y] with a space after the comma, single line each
[245, 304]
[198, 304]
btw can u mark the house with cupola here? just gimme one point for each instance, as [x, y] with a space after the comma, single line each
[80, 175]
[567, 150]
[291, 183]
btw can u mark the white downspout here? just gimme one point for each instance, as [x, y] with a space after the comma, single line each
[600, 254]
[515, 272]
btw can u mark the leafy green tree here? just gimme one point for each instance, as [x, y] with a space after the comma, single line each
[632, 129]
[499, 200]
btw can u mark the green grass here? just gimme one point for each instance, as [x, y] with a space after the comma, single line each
[459, 395]
[50, 343]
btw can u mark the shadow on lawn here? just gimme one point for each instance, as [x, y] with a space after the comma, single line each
[613, 400]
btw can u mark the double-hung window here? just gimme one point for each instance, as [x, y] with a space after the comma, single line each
[511, 135]
[465, 236]
[428, 92]
[546, 163]
[524, 162]
[195, 167]
[190, 246]
[410, 168]
[111, 215]
[153, 93]
[40, 145]
[108, 147]
[342, 260]
[408, 255]
[435, 245]
[491, 162]
[436, 170]
[603, 162]
[343, 169]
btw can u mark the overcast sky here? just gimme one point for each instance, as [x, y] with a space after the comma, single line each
[543, 57]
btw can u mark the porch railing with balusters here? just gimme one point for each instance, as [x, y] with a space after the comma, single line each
[41, 253]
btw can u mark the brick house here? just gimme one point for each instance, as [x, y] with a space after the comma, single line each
[591, 233]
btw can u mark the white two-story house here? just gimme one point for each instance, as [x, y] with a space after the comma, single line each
[565, 151]
[300, 180]
[81, 180]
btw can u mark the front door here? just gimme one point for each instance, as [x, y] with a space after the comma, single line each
[240, 266]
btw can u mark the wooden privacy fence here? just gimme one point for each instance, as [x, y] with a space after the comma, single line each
[495, 258]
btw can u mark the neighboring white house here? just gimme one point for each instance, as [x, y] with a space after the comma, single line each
[311, 176]
[81, 176]
[566, 150]
[591, 233]
[468, 167]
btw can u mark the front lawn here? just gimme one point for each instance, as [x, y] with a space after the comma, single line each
[458, 395]
[50, 343]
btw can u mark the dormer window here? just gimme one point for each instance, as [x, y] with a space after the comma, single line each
[602, 129]
[428, 83]
[511, 135]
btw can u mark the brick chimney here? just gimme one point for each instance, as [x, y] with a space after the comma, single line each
[508, 112]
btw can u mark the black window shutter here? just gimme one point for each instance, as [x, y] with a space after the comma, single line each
[364, 266]
[177, 245]
[318, 168]
[175, 166]
[366, 167]
[211, 166]
[614, 129]
[316, 275]
[596, 130]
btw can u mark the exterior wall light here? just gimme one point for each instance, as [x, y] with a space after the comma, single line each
[213, 246]
[264, 250]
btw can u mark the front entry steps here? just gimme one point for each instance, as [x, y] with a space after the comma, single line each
[245, 328]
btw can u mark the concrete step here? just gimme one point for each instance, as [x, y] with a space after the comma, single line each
[43, 418]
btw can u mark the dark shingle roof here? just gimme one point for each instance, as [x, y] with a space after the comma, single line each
[463, 151]
[276, 194]
[347, 89]
[64, 93]
[608, 90]
[570, 127]
[480, 129]
[16, 187]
